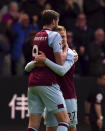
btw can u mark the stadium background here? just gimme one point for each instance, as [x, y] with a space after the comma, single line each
[19, 22]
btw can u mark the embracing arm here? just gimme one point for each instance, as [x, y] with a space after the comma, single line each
[60, 70]
[30, 66]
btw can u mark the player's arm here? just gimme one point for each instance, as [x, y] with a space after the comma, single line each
[30, 66]
[58, 69]
[98, 109]
[99, 115]
[59, 54]
[60, 57]
[97, 104]
[61, 70]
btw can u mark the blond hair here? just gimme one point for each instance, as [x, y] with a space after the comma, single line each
[60, 28]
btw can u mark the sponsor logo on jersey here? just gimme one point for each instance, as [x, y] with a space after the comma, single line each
[40, 38]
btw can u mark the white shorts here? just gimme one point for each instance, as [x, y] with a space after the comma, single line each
[50, 97]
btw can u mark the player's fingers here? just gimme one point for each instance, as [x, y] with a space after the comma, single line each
[37, 58]
[35, 61]
[42, 54]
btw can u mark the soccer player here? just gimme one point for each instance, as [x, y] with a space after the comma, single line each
[66, 84]
[43, 89]
[94, 104]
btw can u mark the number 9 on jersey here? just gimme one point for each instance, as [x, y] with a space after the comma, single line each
[35, 51]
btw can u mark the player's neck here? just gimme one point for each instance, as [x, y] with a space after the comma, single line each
[48, 27]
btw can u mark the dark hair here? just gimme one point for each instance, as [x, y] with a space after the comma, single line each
[48, 16]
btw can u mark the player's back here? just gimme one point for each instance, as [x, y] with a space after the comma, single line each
[67, 84]
[42, 76]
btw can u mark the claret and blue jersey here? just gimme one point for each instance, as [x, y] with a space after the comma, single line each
[48, 42]
[67, 81]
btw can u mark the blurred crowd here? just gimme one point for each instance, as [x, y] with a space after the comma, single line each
[84, 21]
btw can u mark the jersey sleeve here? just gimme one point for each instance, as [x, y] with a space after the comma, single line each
[30, 66]
[58, 69]
[70, 55]
[55, 41]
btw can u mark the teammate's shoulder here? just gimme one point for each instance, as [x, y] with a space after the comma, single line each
[70, 51]
[53, 33]
[70, 55]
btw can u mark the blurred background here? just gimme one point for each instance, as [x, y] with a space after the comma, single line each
[20, 20]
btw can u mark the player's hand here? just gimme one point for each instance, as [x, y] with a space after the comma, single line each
[41, 57]
[75, 56]
[39, 64]
[65, 46]
[99, 123]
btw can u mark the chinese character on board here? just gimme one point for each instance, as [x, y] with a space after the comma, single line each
[19, 104]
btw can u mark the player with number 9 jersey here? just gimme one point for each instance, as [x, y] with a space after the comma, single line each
[48, 42]
[43, 89]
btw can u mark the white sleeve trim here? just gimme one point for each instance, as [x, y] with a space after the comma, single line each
[30, 66]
